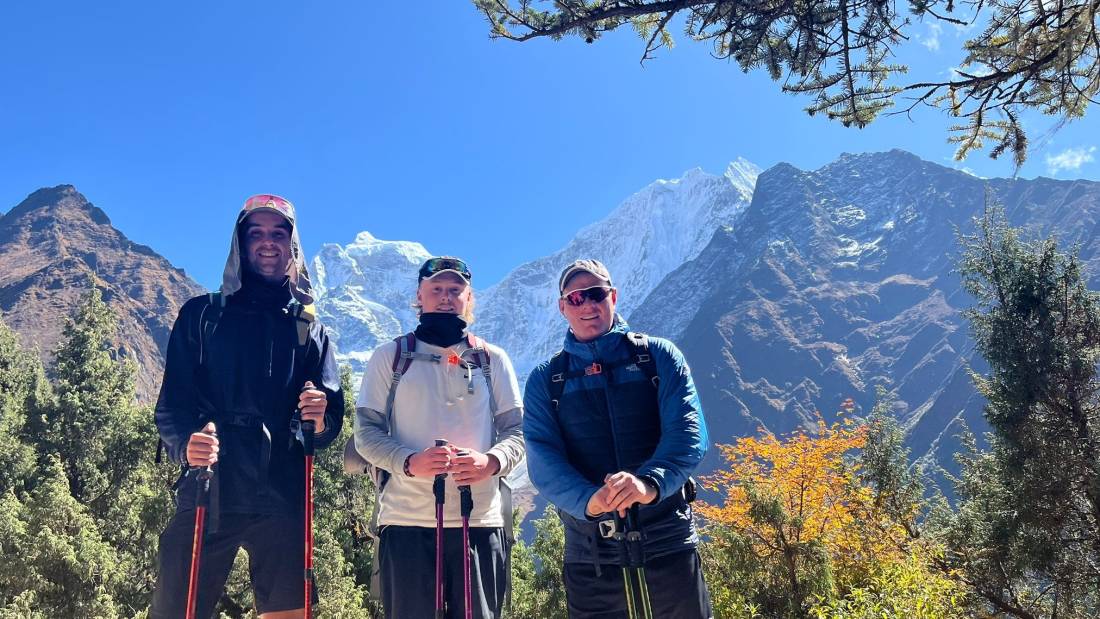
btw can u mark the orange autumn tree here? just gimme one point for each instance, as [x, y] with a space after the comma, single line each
[799, 528]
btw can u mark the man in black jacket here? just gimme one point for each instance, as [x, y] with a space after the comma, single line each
[244, 367]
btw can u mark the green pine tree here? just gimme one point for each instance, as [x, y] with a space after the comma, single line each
[23, 385]
[1025, 57]
[1026, 534]
[92, 412]
[538, 590]
[57, 563]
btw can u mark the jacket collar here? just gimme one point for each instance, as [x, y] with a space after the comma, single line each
[603, 347]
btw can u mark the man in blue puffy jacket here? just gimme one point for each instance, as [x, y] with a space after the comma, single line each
[613, 421]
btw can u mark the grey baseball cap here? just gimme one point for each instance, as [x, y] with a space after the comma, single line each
[588, 265]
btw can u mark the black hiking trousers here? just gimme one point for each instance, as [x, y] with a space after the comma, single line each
[675, 582]
[407, 564]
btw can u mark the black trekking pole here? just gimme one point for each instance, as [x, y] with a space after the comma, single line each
[202, 501]
[632, 557]
[467, 508]
[439, 488]
[308, 429]
[635, 544]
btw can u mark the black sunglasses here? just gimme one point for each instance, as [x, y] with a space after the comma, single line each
[436, 265]
[596, 293]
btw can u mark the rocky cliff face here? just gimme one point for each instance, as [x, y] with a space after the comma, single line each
[837, 281]
[54, 247]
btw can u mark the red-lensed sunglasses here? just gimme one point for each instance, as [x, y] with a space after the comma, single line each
[597, 294]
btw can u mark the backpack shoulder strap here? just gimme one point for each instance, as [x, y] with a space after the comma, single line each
[304, 315]
[208, 320]
[559, 367]
[639, 350]
[480, 353]
[403, 355]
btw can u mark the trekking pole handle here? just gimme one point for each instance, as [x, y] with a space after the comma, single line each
[635, 537]
[439, 485]
[465, 494]
[203, 473]
[466, 500]
[309, 428]
[620, 526]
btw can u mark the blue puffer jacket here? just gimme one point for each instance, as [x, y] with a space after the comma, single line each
[609, 422]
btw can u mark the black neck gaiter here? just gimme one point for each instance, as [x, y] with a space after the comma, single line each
[259, 291]
[441, 329]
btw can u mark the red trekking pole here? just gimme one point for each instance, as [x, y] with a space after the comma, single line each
[439, 489]
[308, 429]
[202, 501]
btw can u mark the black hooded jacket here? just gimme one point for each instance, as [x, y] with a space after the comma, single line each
[242, 366]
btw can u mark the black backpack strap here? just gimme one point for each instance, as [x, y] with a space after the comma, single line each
[304, 316]
[639, 350]
[560, 372]
[208, 321]
[559, 367]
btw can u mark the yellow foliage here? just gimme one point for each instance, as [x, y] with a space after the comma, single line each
[813, 478]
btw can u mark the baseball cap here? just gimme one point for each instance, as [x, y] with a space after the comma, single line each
[444, 264]
[588, 265]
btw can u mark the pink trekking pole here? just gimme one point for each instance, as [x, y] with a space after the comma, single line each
[439, 487]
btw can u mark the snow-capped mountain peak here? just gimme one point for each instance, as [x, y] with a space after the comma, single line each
[365, 292]
[646, 237]
[742, 174]
[367, 286]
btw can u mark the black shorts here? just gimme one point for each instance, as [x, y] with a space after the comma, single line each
[407, 563]
[675, 583]
[276, 563]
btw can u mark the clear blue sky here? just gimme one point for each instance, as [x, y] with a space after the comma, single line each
[401, 118]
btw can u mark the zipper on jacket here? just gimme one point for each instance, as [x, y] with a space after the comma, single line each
[610, 411]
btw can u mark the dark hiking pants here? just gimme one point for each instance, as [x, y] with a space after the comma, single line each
[675, 582]
[276, 563]
[407, 564]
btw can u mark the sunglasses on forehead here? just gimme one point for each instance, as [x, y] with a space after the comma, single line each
[577, 298]
[265, 200]
[436, 265]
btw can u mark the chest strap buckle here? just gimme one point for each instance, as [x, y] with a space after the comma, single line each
[608, 529]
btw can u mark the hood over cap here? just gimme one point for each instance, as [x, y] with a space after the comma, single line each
[297, 273]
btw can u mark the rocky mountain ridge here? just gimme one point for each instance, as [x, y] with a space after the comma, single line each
[54, 247]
